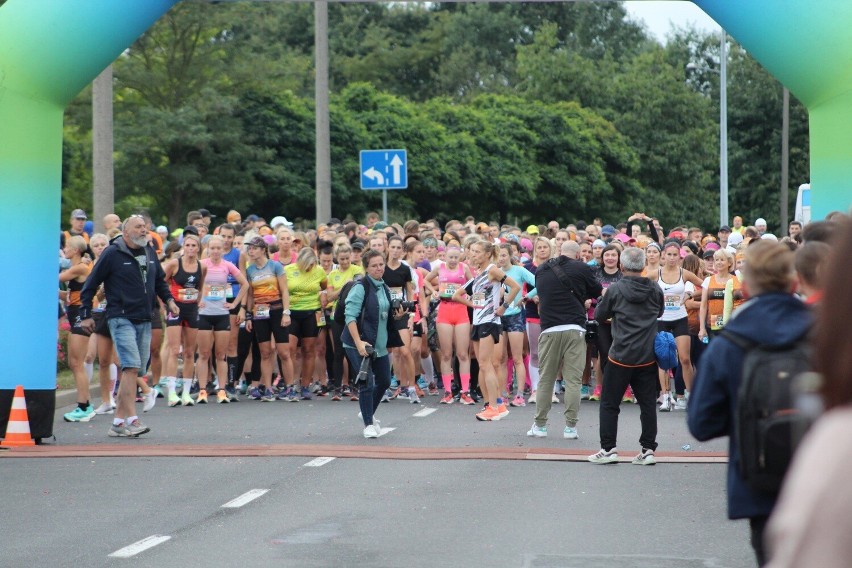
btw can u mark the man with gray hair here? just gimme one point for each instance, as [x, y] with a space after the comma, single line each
[633, 304]
[565, 286]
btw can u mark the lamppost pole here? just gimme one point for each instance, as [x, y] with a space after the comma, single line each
[723, 134]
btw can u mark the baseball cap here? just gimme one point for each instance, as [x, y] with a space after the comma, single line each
[677, 235]
[624, 238]
[258, 242]
[190, 230]
[608, 230]
[760, 221]
[279, 220]
[532, 230]
[206, 213]
[233, 216]
[735, 239]
[724, 229]
[380, 225]
[708, 254]
[358, 244]
[162, 229]
[713, 247]
[79, 214]
[252, 218]
[599, 243]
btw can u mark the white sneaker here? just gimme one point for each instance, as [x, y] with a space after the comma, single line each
[186, 399]
[371, 431]
[531, 399]
[570, 433]
[680, 404]
[376, 422]
[555, 399]
[537, 431]
[666, 405]
[604, 457]
[412, 397]
[104, 408]
[150, 400]
[645, 457]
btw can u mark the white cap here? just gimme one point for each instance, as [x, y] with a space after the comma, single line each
[279, 220]
[162, 229]
[760, 221]
[735, 239]
[769, 237]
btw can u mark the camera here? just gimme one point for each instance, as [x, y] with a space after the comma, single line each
[406, 306]
[591, 331]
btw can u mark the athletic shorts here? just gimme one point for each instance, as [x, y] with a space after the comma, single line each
[214, 323]
[187, 316]
[74, 321]
[452, 313]
[303, 323]
[267, 328]
[494, 330]
[514, 323]
[677, 327]
[401, 323]
[235, 311]
[156, 318]
[101, 325]
[417, 330]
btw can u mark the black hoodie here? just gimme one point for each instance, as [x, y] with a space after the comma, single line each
[634, 303]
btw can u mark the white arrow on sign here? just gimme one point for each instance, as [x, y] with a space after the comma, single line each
[375, 175]
[396, 163]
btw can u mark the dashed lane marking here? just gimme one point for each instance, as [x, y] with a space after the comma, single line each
[425, 412]
[319, 461]
[140, 546]
[245, 498]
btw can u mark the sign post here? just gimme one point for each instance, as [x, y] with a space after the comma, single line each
[384, 169]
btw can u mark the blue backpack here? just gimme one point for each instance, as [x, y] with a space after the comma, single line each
[666, 350]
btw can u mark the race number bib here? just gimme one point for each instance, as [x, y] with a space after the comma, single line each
[478, 300]
[396, 294]
[216, 292]
[672, 302]
[447, 289]
[229, 291]
[717, 322]
[261, 311]
[320, 315]
[187, 295]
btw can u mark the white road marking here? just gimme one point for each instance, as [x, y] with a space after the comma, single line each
[425, 412]
[140, 546]
[386, 431]
[245, 498]
[318, 462]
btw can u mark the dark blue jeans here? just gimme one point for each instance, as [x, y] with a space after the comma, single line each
[369, 397]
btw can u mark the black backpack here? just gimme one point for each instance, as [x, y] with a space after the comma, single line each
[768, 423]
[340, 309]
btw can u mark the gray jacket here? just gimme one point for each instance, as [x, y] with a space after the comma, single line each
[634, 303]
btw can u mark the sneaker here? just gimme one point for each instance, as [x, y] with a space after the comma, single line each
[645, 457]
[244, 388]
[560, 386]
[585, 392]
[232, 393]
[149, 400]
[419, 392]
[136, 429]
[518, 401]
[666, 405]
[394, 384]
[104, 408]
[570, 433]
[118, 431]
[537, 431]
[323, 391]
[194, 388]
[159, 390]
[465, 399]
[555, 399]
[422, 384]
[488, 414]
[680, 404]
[433, 389]
[531, 399]
[628, 396]
[255, 394]
[306, 393]
[604, 457]
[79, 415]
[284, 393]
[345, 390]
[222, 397]
[293, 394]
[596, 394]
[387, 396]
[336, 395]
[316, 388]
[502, 411]
[268, 395]
[174, 399]
[186, 399]
[401, 393]
[353, 395]
[202, 397]
[371, 431]
[448, 398]
[412, 396]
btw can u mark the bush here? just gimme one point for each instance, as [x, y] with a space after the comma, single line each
[62, 345]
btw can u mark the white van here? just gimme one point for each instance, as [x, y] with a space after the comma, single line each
[803, 204]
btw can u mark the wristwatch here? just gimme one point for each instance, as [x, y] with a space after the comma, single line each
[506, 305]
[286, 312]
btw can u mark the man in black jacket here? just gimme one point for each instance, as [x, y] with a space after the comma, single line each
[565, 287]
[633, 303]
[132, 278]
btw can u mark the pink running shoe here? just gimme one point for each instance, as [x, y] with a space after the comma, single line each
[518, 401]
[596, 394]
[448, 398]
[465, 399]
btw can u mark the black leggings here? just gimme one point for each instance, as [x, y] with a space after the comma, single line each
[604, 342]
[247, 342]
[336, 330]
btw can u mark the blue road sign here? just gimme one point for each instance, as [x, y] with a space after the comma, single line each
[384, 169]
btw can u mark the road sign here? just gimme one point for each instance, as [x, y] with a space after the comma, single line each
[384, 169]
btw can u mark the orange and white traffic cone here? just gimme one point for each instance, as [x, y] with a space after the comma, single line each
[18, 428]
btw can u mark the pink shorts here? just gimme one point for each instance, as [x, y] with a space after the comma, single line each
[452, 313]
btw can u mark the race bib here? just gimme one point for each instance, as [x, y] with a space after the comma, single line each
[447, 289]
[478, 300]
[187, 295]
[717, 322]
[396, 294]
[320, 315]
[216, 292]
[672, 302]
[229, 291]
[261, 311]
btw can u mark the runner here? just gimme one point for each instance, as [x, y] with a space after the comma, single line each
[400, 281]
[306, 283]
[607, 274]
[107, 370]
[542, 252]
[714, 312]
[235, 255]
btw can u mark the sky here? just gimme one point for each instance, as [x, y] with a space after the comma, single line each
[659, 16]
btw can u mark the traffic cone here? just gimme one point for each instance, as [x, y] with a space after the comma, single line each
[18, 427]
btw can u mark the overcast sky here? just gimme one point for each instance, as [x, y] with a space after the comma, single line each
[659, 16]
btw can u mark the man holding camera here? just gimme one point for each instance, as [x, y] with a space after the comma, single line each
[565, 288]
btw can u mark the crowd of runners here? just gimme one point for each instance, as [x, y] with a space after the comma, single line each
[260, 313]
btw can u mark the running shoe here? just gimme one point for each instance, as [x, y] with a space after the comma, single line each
[488, 415]
[502, 411]
[448, 398]
[570, 433]
[104, 408]
[554, 399]
[159, 390]
[584, 392]
[232, 393]
[174, 399]
[537, 431]
[136, 428]
[531, 399]
[387, 396]
[80, 415]
[345, 390]
[628, 396]
[149, 400]
[433, 389]
[518, 401]
[560, 386]
[194, 388]
[202, 397]
[645, 457]
[268, 395]
[118, 431]
[255, 394]
[465, 399]
[666, 405]
[596, 394]
[284, 393]
[186, 399]
[353, 395]
[401, 393]
[316, 388]
[604, 456]
[323, 391]
[680, 404]
[422, 384]
[306, 393]
[394, 384]
[371, 431]
[293, 395]
[222, 397]
[419, 392]
[336, 395]
[412, 396]
[244, 387]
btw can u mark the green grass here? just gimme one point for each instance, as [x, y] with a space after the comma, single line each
[65, 380]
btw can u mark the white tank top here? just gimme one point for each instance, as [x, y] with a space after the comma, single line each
[485, 293]
[673, 295]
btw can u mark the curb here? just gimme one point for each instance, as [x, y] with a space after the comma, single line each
[68, 397]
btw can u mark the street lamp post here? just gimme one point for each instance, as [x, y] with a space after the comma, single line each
[723, 131]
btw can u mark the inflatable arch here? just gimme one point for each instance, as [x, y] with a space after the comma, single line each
[51, 49]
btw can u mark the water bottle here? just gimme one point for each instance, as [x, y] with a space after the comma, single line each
[705, 340]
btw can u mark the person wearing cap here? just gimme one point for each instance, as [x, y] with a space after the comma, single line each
[233, 217]
[760, 225]
[278, 221]
[163, 232]
[722, 236]
[532, 230]
[77, 221]
[608, 232]
[207, 216]
[627, 240]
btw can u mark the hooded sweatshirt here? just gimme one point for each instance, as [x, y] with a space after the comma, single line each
[633, 303]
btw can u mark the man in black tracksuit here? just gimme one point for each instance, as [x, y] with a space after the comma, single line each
[634, 303]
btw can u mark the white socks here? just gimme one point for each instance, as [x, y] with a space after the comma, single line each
[90, 369]
[533, 377]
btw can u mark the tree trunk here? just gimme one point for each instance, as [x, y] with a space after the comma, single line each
[103, 192]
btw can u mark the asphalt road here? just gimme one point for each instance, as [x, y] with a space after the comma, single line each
[366, 512]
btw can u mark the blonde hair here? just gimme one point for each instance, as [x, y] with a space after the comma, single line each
[98, 237]
[729, 258]
[488, 248]
[769, 268]
[306, 257]
[77, 243]
[196, 238]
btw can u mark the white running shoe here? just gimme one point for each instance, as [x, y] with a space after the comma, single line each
[570, 433]
[645, 457]
[666, 405]
[104, 408]
[604, 457]
[371, 431]
[537, 431]
[150, 400]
